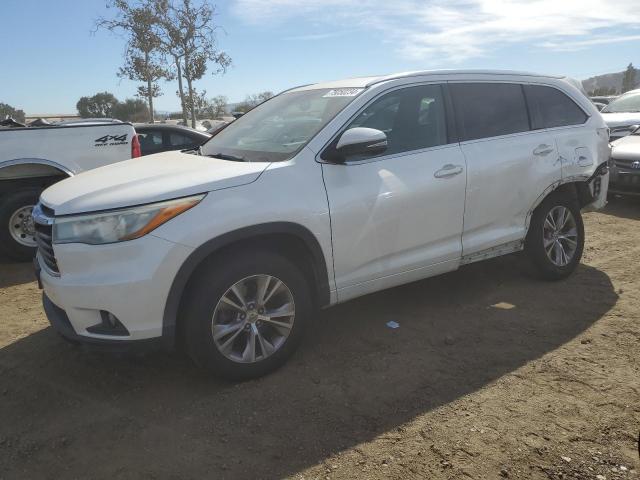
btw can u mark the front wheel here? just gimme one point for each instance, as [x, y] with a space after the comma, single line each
[555, 240]
[245, 316]
[17, 235]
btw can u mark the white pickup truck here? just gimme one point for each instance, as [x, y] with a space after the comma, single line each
[33, 158]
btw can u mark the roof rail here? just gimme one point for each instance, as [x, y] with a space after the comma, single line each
[421, 73]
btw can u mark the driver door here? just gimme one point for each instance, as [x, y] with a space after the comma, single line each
[397, 216]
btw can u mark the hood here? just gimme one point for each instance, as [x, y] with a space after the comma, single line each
[148, 179]
[627, 148]
[621, 119]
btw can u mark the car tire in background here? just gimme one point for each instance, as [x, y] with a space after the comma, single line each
[245, 313]
[17, 240]
[555, 239]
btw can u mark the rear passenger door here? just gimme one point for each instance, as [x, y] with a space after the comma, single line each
[508, 165]
[554, 111]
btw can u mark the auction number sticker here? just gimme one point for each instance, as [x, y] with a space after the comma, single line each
[343, 92]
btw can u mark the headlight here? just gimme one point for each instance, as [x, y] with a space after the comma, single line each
[119, 225]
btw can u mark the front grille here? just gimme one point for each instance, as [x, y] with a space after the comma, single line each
[43, 223]
[624, 163]
[46, 211]
[45, 246]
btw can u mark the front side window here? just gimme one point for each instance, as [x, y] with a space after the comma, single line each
[550, 108]
[413, 118]
[629, 102]
[279, 128]
[489, 109]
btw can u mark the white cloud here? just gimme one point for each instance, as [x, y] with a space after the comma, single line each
[456, 30]
[315, 36]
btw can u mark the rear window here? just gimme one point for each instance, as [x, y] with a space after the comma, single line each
[489, 109]
[549, 108]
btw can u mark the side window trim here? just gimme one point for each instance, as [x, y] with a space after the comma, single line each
[448, 112]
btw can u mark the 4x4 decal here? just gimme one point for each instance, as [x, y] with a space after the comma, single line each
[111, 140]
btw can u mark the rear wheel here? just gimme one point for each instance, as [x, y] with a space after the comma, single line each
[17, 235]
[555, 240]
[246, 316]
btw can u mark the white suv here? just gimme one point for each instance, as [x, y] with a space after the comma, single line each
[322, 194]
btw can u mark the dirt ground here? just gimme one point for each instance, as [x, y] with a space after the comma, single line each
[492, 374]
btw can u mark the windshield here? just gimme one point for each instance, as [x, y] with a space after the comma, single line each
[278, 129]
[625, 103]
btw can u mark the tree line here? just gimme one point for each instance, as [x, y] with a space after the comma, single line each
[629, 82]
[106, 105]
[7, 111]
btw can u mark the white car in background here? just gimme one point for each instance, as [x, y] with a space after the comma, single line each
[623, 114]
[319, 195]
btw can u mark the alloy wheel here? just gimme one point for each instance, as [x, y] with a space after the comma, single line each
[560, 236]
[253, 318]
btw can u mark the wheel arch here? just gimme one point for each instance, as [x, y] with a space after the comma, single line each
[27, 167]
[30, 172]
[297, 240]
[576, 187]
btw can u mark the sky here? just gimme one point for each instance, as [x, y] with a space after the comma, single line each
[50, 57]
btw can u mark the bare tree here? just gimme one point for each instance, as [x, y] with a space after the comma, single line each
[210, 108]
[253, 100]
[144, 59]
[189, 36]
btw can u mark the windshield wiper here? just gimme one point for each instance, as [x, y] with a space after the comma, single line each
[224, 156]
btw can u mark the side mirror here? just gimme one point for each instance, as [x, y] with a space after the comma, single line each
[361, 141]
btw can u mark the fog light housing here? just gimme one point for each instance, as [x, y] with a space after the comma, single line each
[109, 325]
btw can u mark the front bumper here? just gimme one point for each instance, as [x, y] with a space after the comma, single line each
[129, 280]
[60, 322]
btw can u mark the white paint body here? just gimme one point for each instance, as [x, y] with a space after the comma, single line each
[70, 149]
[379, 223]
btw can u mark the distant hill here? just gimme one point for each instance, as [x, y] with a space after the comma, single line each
[608, 81]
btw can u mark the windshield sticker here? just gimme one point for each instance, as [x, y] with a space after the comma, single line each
[343, 92]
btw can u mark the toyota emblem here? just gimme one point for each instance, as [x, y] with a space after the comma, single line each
[635, 165]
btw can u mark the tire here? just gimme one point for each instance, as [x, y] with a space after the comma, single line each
[14, 219]
[553, 262]
[207, 310]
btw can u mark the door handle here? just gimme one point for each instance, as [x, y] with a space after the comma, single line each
[449, 170]
[543, 150]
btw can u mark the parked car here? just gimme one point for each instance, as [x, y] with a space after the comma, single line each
[603, 99]
[623, 114]
[160, 137]
[319, 195]
[625, 165]
[32, 158]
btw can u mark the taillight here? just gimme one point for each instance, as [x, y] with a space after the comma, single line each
[135, 147]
